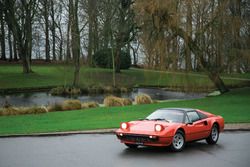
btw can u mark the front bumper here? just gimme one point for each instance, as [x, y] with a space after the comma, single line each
[144, 139]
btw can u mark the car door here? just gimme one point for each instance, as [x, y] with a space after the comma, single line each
[196, 128]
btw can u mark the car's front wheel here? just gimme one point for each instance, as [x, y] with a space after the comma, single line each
[214, 135]
[178, 142]
[133, 146]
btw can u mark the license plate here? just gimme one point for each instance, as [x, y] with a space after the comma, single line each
[139, 143]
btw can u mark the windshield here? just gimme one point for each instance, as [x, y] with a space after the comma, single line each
[167, 115]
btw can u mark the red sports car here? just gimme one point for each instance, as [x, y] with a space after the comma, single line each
[171, 127]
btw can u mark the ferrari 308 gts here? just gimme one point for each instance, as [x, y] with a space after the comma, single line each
[171, 127]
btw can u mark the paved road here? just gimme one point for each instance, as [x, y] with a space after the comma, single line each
[232, 150]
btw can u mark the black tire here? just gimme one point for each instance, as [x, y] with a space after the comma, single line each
[178, 142]
[214, 135]
[132, 146]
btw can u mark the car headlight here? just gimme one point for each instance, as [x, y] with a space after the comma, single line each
[158, 128]
[124, 125]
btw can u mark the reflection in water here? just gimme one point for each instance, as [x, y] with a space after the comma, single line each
[44, 98]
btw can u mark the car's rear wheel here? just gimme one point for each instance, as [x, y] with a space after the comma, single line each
[178, 142]
[133, 146]
[214, 135]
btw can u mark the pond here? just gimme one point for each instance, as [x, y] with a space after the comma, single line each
[44, 98]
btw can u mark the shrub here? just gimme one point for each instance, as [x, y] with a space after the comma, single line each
[35, 110]
[143, 99]
[55, 107]
[23, 110]
[112, 101]
[126, 101]
[103, 58]
[89, 105]
[116, 101]
[71, 105]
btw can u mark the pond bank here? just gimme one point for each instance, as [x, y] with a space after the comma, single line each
[86, 90]
[45, 98]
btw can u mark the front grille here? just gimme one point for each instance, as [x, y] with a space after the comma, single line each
[137, 138]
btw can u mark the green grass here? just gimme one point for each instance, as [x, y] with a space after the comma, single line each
[11, 76]
[233, 106]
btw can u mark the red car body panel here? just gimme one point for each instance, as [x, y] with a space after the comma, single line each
[145, 130]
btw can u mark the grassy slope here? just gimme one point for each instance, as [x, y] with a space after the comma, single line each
[52, 75]
[233, 106]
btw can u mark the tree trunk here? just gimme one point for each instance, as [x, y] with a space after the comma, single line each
[75, 33]
[46, 18]
[10, 45]
[91, 34]
[117, 57]
[189, 33]
[22, 32]
[61, 44]
[2, 35]
[53, 31]
[15, 49]
[69, 40]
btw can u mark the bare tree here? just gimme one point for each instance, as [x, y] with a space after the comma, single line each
[75, 35]
[2, 34]
[21, 27]
[53, 29]
[92, 16]
[45, 9]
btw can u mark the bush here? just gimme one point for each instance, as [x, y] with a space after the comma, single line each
[110, 101]
[143, 99]
[126, 101]
[55, 107]
[103, 58]
[89, 105]
[22, 110]
[71, 105]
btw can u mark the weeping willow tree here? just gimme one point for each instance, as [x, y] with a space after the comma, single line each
[199, 29]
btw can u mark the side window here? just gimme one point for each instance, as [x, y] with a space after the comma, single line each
[202, 116]
[187, 120]
[193, 116]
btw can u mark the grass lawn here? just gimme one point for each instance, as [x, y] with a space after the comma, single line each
[233, 106]
[57, 75]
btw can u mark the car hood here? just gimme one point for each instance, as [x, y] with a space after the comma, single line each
[147, 126]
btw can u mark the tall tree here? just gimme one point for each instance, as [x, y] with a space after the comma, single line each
[125, 26]
[2, 34]
[92, 14]
[75, 35]
[189, 33]
[165, 14]
[20, 24]
[10, 45]
[53, 29]
[45, 13]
